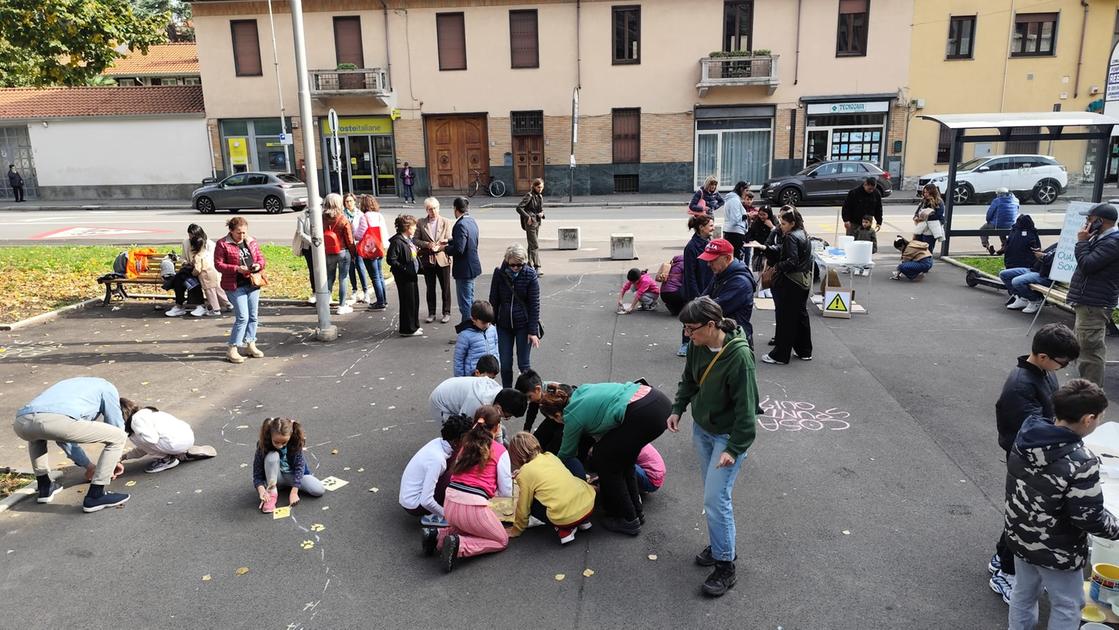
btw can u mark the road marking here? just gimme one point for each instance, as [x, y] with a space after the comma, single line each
[87, 232]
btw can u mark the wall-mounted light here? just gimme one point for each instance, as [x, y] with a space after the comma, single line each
[45, 125]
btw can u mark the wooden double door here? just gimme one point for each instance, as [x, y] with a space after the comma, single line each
[528, 161]
[456, 147]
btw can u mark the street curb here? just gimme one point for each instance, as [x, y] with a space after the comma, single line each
[43, 318]
[30, 489]
[952, 261]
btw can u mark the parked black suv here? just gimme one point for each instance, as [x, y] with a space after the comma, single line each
[823, 182]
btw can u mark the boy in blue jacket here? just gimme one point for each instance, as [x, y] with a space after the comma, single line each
[1028, 392]
[476, 338]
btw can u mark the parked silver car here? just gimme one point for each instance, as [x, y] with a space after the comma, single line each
[243, 191]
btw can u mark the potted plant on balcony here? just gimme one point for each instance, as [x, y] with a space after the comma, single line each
[737, 64]
[348, 80]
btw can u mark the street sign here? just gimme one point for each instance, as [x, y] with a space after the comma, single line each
[1064, 259]
[332, 118]
[285, 139]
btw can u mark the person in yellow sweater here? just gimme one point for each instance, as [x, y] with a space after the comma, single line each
[548, 490]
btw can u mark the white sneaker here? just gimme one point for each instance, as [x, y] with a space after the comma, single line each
[1019, 302]
[359, 296]
[370, 296]
[213, 313]
[350, 301]
[345, 309]
[1033, 307]
[199, 311]
[176, 311]
[312, 299]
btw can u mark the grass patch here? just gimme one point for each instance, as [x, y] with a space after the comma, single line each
[10, 482]
[987, 264]
[41, 278]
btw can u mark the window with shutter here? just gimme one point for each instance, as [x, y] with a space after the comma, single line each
[943, 145]
[524, 39]
[1035, 34]
[246, 48]
[961, 37]
[347, 41]
[627, 135]
[854, 19]
[450, 31]
[1023, 146]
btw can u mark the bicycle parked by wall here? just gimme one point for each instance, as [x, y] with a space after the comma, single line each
[496, 187]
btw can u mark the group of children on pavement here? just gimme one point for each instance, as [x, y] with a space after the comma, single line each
[1053, 494]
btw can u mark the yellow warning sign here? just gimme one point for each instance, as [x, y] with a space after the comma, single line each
[837, 304]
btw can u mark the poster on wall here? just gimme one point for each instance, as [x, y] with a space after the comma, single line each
[238, 151]
[1111, 93]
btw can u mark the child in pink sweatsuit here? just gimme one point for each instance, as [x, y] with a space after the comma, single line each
[645, 289]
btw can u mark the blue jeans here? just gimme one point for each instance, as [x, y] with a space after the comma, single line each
[505, 340]
[718, 483]
[464, 293]
[377, 277]
[643, 483]
[408, 194]
[357, 270]
[338, 266]
[913, 268]
[1065, 590]
[1018, 281]
[246, 301]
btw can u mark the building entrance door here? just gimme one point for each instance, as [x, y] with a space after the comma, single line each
[359, 160]
[456, 147]
[528, 161]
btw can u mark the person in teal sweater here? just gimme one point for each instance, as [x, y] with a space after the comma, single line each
[622, 418]
[720, 384]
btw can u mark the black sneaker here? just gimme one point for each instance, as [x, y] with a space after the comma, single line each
[705, 559]
[450, 552]
[430, 538]
[47, 489]
[621, 526]
[721, 579]
[98, 499]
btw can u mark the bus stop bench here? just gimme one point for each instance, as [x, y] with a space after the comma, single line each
[1057, 294]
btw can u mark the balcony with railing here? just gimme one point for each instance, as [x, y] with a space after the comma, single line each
[717, 72]
[367, 82]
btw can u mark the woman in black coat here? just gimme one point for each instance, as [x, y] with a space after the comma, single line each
[401, 257]
[515, 297]
[791, 254]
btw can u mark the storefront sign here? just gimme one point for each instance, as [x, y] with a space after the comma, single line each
[238, 151]
[1111, 94]
[361, 126]
[818, 109]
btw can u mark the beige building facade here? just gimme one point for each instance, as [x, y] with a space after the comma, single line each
[669, 91]
[1008, 56]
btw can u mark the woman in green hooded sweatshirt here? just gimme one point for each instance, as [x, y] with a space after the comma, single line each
[720, 385]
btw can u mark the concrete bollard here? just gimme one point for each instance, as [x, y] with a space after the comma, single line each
[622, 247]
[569, 238]
[718, 233]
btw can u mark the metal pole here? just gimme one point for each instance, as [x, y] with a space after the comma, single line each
[326, 330]
[1101, 163]
[280, 92]
[574, 140]
[949, 202]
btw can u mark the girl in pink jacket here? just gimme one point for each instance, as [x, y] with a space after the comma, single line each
[645, 289]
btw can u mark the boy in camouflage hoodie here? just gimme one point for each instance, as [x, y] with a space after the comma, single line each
[1055, 501]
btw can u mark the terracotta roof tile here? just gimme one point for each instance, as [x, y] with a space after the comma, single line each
[76, 102]
[161, 60]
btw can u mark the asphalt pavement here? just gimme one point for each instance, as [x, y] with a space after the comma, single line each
[875, 505]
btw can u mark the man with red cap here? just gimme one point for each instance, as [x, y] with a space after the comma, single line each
[733, 285]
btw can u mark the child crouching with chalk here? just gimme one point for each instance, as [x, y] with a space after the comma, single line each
[279, 461]
[548, 490]
[645, 291]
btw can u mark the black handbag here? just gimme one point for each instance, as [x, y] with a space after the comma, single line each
[516, 296]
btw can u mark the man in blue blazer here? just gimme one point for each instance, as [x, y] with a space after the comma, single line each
[466, 265]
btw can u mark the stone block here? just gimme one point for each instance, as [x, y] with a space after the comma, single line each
[569, 238]
[622, 247]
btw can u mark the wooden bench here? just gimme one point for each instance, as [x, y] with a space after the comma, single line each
[114, 285]
[1056, 294]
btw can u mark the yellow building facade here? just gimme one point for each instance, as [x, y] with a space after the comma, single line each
[1006, 56]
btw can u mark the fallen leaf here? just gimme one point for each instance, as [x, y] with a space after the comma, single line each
[241, 571]
[361, 470]
[333, 451]
[307, 545]
[559, 577]
[206, 578]
[374, 489]
[317, 527]
[587, 572]
[652, 556]
[846, 532]
[281, 512]
[130, 483]
[345, 468]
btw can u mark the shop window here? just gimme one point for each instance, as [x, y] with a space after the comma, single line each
[1022, 146]
[961, 37]
[347, 41]
[854, 20]
[450, 31]
[626, 183]
[524, 48]
[627, 34]
[943, 145]
[246, 48]
[738, 22]
[1035, 34]
[627, 135]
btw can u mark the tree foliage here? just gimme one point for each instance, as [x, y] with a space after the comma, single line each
[67, 42]
[179, 28]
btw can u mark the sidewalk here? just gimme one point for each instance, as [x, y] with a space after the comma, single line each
[1075, 192]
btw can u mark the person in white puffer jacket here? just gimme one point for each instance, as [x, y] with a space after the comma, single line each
[160, 434]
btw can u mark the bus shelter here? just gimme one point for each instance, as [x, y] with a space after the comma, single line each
[1026, 126]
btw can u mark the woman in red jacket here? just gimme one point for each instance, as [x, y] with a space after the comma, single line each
[238, 257]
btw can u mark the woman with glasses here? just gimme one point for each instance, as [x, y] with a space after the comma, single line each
[791, 254]
[515, 296]
[720, 385]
